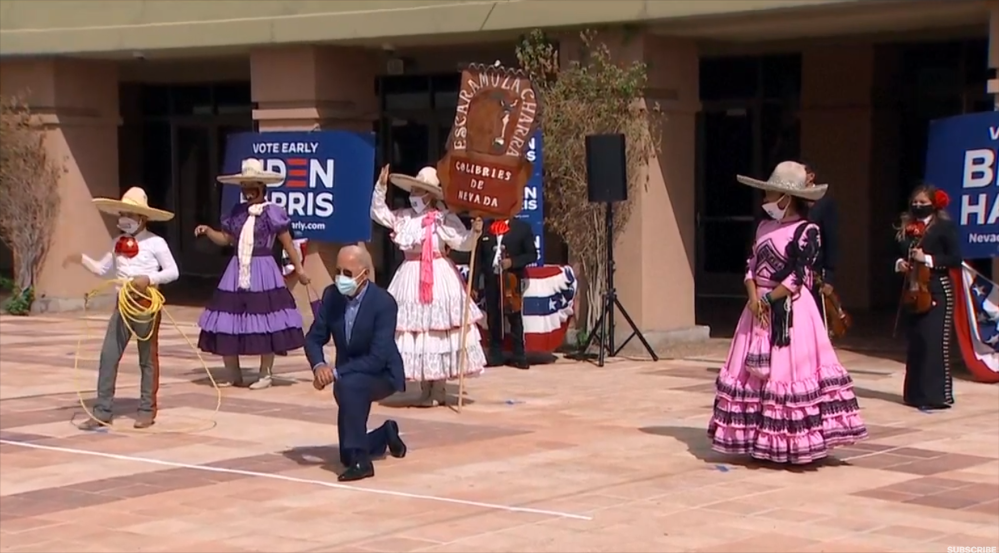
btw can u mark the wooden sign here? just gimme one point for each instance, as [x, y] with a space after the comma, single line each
[485, 170]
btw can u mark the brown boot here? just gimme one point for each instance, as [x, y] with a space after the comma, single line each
[144, 419]
[439, 392]
[426, 395]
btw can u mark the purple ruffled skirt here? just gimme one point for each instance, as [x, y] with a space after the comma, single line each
[261, 320]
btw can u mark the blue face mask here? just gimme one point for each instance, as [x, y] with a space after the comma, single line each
[346, 285]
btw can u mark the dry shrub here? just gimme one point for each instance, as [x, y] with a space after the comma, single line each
[29, 196]
[595, 95]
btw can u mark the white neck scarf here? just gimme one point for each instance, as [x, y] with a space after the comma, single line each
[244, 250]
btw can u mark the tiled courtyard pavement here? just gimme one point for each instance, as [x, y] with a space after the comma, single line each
[620, 452]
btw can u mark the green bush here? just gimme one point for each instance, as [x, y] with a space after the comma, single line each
[20, 303]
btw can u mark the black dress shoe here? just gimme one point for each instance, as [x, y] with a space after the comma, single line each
[494, 361]
[397, 448]
[933, 407]
[521, 364]
[357, 471]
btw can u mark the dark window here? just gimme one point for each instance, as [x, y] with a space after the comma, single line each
[729, 78]
[934, 69]
[156, 169]
[406, 92]
[727, 246]
[936, 77]
[780, 134]
[233, 98]
[192, 100]
[155, 100]
[976, 63]
[445, 88]
[782, 77]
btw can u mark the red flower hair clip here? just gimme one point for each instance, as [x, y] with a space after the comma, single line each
[940, 200]
[915, 229]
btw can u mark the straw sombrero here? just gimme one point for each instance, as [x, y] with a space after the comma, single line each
[789, 178]
[134, 200]
[425, 180]
[252, 171]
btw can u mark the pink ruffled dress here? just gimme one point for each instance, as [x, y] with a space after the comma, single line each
[790, 403]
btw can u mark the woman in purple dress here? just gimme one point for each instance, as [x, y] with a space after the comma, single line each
[252, 311]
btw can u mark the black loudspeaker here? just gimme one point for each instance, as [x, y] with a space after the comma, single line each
[606, 168]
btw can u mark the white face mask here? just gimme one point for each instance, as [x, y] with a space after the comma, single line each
[774, 211]
[418, 203]
[128, 225]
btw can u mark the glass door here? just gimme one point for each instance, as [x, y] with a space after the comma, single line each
[197, 198]
[726, 210]
[410, 141]
[198, 150]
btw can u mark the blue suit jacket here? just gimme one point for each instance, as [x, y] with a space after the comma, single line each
[372, 349]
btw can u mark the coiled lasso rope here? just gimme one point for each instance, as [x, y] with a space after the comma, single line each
[136, 307]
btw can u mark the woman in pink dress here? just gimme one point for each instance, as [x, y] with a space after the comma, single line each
[783, 395]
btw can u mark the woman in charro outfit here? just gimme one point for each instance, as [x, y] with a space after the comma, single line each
[427, 286]
[782, 395]
[252, 311]
[927, 235]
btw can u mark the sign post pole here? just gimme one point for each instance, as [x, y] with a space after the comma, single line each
[465, 313]
[486, 167]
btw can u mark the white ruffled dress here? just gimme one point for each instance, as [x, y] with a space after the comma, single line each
[428, 330]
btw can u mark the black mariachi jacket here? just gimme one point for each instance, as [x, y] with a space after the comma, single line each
[940, 242]
[824, 214]
[519, 244]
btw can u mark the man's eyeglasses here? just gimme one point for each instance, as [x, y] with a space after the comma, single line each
[345, 272]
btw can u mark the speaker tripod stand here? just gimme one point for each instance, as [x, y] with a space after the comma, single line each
[605, 322]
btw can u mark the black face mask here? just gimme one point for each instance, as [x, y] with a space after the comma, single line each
[921, 211]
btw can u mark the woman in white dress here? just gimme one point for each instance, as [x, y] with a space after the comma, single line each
[427, 286]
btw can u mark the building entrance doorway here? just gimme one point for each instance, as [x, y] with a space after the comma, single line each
[748, 124]
[173, 141]
[198, 154]
[725, 213]
[416, 118]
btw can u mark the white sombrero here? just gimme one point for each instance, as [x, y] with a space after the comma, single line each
[425, 180]
[252, 171]
[134, 200]
[789, 178]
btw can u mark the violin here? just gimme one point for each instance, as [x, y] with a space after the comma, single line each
[838, 321]
[916, 294]
[510, 289]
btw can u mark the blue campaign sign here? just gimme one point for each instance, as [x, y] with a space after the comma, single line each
[328, 179]
[961, 159]
[534, 208]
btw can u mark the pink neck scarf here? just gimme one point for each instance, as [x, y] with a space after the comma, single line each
[427, 258]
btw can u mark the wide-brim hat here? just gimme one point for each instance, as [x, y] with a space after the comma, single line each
[134, 200]
[425, 180]
[252, 172]
[791, 178]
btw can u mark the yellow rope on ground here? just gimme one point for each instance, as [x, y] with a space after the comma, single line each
[140, 307]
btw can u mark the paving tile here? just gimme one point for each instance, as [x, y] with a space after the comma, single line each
[986, 508]
[945, 501]
[624, 446]
[946, 463]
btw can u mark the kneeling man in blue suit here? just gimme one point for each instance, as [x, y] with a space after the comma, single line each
[361, 319]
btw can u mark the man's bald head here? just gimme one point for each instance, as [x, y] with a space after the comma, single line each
[354, 262]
